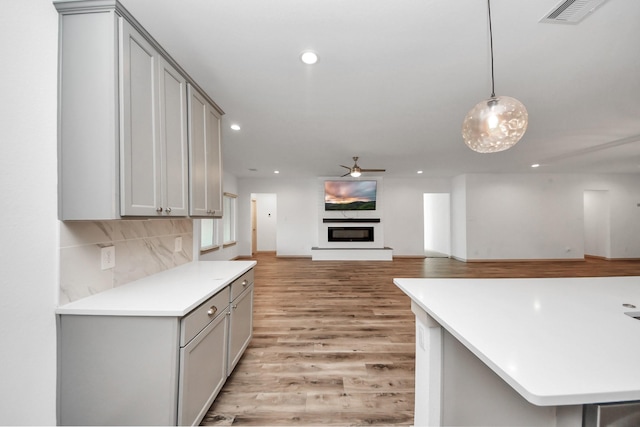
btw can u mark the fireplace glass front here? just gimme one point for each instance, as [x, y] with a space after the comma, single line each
[350, 234]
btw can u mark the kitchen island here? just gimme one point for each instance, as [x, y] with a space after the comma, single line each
[524, 351]
[155, 351]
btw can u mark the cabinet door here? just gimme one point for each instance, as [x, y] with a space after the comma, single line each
[203, 364]
[241, 328]
[140, 160]
[205, 159]
[173, 134]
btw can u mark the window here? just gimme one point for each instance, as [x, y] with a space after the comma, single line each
[229, 218]
[209, 234]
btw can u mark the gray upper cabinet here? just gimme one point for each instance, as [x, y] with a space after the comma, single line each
[153, 160]
[205, 157]
[123, 125]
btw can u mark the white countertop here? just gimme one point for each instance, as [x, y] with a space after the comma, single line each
[173, 292]
[555, 341]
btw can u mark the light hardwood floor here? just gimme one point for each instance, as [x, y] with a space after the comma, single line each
[334, 341]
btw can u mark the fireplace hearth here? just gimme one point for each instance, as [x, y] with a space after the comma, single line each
[350, 234]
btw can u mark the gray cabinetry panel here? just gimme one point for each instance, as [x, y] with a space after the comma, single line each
[241, 326]
[173, 137]
[118, 370]
[203, 370]
[123, 125]
[140, 156]
[144, 368]
[88, 148]
[194, 322]
[205, 157]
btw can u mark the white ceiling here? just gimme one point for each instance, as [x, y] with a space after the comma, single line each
[396, 78]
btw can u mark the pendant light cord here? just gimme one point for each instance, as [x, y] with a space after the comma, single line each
[493, 90]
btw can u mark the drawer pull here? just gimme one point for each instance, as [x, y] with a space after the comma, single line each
[212, 310]
[245, 282]
[235, 306]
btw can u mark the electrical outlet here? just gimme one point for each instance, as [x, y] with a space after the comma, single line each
[177, 247]
[108, 257]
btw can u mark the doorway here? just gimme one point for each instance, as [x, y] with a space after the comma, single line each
[437, 225]
[597, 233]
[264, 221]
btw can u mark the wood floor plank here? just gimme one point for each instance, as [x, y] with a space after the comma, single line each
[334, 342]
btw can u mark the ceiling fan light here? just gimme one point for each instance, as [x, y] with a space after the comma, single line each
[494, 125]
[356, 172]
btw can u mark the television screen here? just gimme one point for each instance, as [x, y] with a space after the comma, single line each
[350, 195]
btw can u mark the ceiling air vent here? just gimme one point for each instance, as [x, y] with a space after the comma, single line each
[572, 11]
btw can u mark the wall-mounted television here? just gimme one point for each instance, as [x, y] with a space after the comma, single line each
[350, 195]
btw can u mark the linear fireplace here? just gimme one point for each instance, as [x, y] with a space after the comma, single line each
[350, 234]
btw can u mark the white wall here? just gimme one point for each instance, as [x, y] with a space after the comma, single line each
[540, 216]
[299, 213]
[532, 216]
[28, 226]
[297, 216]
[459, 217]
[493, 216]
[624, 199]
[404, 212]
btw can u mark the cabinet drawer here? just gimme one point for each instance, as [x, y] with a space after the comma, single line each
[198, 319]
[240, 284]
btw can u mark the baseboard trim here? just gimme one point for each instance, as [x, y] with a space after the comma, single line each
[410, 257]
[521, 260]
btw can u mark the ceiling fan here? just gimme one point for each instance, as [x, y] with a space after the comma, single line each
[355, 170]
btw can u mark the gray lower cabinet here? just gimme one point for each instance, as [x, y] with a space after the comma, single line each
[152, 370]
[241, 317]
[117, 370]
[203, 357]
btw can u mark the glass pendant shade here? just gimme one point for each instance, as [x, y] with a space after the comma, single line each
[495, 124]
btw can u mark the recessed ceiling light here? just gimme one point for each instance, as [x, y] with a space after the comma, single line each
[419, 172]
[276, 171]
[309, 57]
[235, 126]
[535, 165]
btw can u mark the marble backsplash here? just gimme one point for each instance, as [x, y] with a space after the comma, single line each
[142, 248]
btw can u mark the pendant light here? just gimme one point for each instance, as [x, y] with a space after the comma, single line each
[497, 123]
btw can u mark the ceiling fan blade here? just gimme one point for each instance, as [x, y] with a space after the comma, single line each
[373, 170]
[345, 174]
[346, 167]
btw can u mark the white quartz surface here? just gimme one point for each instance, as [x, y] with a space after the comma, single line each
[555, 341]
[173, 292]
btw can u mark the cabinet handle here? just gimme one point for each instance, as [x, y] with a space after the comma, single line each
[235, 306]
[245, 282]
[159, 209]
[212, 310]
[168, 210]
